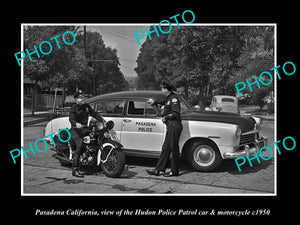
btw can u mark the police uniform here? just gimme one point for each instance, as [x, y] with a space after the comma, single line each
[172, 118]
[80, 114]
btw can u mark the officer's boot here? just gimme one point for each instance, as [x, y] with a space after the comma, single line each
[76, 172]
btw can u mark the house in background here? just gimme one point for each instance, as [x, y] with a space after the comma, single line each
[45, 96]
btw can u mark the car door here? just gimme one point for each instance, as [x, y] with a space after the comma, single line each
[142, 128]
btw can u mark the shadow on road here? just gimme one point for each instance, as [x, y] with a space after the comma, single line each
[231, 167]
[226, 166]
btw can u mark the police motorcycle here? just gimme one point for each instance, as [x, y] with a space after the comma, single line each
[99, 149]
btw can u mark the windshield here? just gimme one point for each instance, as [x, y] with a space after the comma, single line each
[185, 105]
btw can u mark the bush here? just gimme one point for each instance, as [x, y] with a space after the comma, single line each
[258, 97]
[271, 108]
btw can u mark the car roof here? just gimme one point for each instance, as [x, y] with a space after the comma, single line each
[128, 95]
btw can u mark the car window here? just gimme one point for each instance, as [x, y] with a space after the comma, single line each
[138, 107]
[92, 105]
[183, 107]
[227, 100]
[149, 110]
[114, 107]
[135, 108]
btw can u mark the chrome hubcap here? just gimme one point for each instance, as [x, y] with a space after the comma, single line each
[204, 155]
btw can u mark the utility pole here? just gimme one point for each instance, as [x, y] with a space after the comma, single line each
[84, 38]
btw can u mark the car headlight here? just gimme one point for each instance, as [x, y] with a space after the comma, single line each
[257, 126]
[99, 125]
[258, 122]
[238, 132]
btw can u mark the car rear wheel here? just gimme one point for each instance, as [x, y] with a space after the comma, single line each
[204, 156]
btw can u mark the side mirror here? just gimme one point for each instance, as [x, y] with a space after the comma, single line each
[110, 125]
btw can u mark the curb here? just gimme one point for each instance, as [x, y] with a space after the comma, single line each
[31, 122]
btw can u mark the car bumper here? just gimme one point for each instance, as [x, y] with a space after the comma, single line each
[258, 144]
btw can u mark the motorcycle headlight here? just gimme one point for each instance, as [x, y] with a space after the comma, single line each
[86, 139]
[99, 125]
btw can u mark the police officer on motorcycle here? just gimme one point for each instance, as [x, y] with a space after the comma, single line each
[171, 117]
[78, 118]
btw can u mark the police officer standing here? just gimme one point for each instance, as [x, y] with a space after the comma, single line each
[78, 118]
[171, 117]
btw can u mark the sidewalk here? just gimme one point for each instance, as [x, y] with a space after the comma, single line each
[254, 111]
[37, 114]
[39, 117]
[39, 180]
[265, 117]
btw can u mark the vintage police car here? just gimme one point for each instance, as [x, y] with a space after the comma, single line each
[207, 137]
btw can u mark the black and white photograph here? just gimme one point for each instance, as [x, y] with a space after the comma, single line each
[158, 113]
[111, 113]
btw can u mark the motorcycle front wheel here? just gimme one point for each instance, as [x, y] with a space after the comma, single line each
[115, 163]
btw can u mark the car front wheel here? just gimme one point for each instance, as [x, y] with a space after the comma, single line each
[204, 156]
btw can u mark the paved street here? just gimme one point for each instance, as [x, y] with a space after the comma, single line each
[43, 174]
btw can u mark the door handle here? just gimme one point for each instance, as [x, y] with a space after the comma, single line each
[126, 120]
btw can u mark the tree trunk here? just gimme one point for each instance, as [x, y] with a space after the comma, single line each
[208, 89]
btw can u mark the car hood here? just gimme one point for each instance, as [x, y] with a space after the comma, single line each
[245, 123]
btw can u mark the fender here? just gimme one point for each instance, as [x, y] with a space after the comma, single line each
[117, 144]
[106, 143]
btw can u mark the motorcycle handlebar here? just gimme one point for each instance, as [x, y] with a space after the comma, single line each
[109, 125]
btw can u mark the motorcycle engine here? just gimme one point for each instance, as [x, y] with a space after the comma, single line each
[88, 158]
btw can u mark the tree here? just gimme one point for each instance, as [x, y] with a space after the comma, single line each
[196, 56]
[104, 75]
[210, 59]
[53, 69]
[69, 67]
[256, 56]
